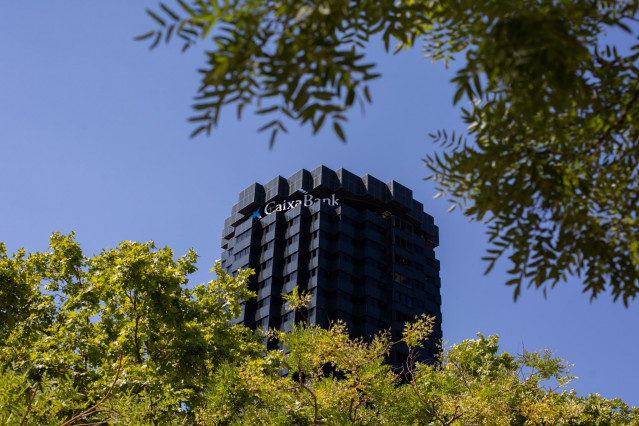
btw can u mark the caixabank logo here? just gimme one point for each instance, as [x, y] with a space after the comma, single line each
[307, 200]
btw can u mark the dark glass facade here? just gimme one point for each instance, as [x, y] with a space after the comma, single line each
[362, 248]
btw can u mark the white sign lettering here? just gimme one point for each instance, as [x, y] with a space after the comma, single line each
[308, 201]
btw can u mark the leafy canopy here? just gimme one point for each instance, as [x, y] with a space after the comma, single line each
[550, 156]
[120, 338]
[121, 324]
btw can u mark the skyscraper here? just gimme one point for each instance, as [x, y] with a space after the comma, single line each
[362, 248]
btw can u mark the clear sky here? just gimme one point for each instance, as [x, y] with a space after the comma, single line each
[94, 138]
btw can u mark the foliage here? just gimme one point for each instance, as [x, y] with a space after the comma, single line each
[554, 153]
[551, 153]
[76, 329]
[334, 380]
[297, 60]
[119, 338]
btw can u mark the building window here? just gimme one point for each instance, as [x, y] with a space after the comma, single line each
[290, 277]
[295, 238]
[403, 299]
[403, 225]
[241, 253]
[269, 228]
[268, 245]
[401, 279]
[373, 264]
[377, 246]
[371, 282]
[267, 264]
[292, 258]
[375, 227]
[244, 235]
[323, 274]
[402, 242]
[326, 255]
[349, 221]
[293, 221]
[266, 282]
[288, 316]
[346, 277]
[402, 317]
[401, 260]
[345, 258]
[349, 240]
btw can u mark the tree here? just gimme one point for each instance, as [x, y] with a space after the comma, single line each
[334, 380]
[119, 338]
[551, 154]
[113, 335]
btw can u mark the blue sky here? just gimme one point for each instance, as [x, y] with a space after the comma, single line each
[94, 138]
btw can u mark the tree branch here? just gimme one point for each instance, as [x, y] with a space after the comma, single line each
[93, 410]
[35, 390]
[315, 408]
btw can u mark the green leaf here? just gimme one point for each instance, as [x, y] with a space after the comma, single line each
[155, 17]
[339, 131]
[267, 110]
[367, 95]
[169, 12]
[272, 140]
[144, 36]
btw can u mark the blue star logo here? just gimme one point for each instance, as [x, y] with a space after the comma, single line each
[256, 214]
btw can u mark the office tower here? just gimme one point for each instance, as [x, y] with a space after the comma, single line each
[362, 248]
